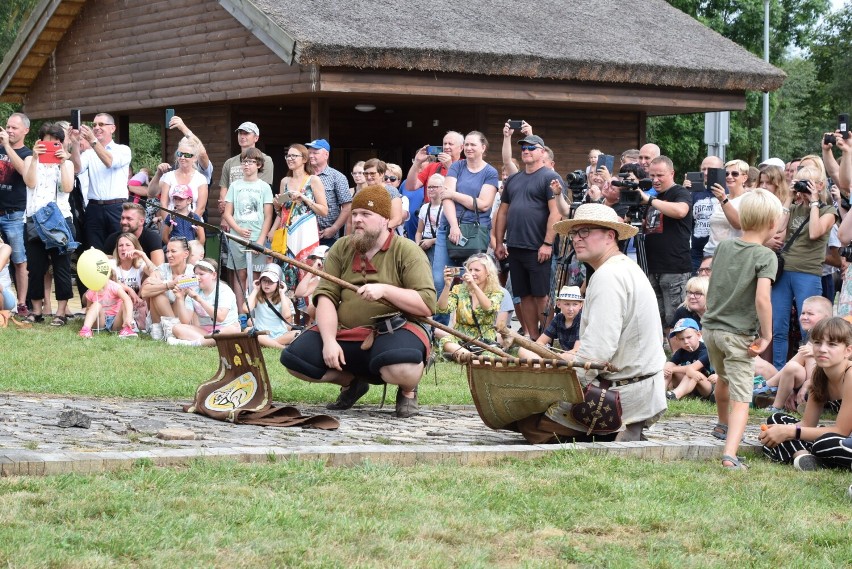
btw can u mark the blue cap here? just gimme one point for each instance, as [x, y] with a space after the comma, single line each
[320, 143]
[683, 324]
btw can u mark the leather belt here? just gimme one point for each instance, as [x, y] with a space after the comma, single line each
[8, 211]
[107, 202]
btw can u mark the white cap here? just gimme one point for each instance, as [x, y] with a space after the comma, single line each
[773, 162]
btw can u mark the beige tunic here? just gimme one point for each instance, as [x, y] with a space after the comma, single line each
[621, 324]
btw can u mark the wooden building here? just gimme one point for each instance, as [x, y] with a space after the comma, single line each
[584, 73]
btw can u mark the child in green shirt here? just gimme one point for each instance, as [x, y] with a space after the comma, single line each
[739, 306]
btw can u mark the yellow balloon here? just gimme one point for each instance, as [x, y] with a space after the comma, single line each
[93, 269]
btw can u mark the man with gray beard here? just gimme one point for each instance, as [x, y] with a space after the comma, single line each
[351, 345]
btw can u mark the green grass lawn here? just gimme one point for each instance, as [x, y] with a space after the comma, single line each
[565, 510]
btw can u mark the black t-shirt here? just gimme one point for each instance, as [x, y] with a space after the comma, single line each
[13, 190]
[150, 241]
[683, 357]
[684, 312]
[667, 238]
[528, 197]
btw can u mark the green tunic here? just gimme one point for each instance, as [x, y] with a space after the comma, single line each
[400, 262]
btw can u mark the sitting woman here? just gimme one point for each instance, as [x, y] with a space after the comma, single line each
[475, 302]
[694, 306]
[195, 308]
[158, 291]
[271, 310]
[131, 266]
[807, 444]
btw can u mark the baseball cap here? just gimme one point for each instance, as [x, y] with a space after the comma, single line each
[773, 162]
[181, 191]
[532, 139]
[319, 143]
[319, 252]
[272, 272]
[249, 127]
[683, 324]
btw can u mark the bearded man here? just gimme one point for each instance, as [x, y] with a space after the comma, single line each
[349, 346]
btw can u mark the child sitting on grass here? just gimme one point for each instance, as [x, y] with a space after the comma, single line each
[739, 305]
[271, 310]
[565, 326]
[111, 308]
[790, 385]
[689, 369]
[805, 443]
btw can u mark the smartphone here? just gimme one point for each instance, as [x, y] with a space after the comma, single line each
[843, 125]
[457, 271]
[716, 176]
[697, 181]
[434, 150]
[462, 241]
[515, 125]
[49, 156]
[75, 119]
[607, 160]
[170, 114]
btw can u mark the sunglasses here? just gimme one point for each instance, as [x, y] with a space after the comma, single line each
[530, 148]
[185, 155]
[391, 178]
[733, 174]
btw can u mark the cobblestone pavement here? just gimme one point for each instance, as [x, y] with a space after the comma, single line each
[123, 431]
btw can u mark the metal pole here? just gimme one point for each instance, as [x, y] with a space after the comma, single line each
[765, 149]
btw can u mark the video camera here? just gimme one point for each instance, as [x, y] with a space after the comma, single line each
[578, 186]
[629, 195]
[846, 252]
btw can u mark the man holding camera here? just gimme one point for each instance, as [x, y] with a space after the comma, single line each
[525, 220]
[668, 228]
[420, 171]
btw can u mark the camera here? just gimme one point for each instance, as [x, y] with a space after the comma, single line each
[846, 253]
[577, 186]
[434, 150]
[629, 195]
[801, 186]
[577, 179]
[515, 125]
[829, 139]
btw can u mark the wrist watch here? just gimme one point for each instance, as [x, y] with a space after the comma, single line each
[724, 201]
[815, 203]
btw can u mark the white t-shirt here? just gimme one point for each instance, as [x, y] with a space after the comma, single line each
[429, 214]
[227, 299]
[131, 277]
[196, 181]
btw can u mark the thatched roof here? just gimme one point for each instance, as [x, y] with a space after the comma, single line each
[644, 42]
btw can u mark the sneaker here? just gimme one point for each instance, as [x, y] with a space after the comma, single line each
[23, 311]
[168, 323]
[670, 395]
[349, 395]
[406, 407]
[773, 409]
[157, 331]
[127, 332]
[805, 462]
[85, 332]
[172, 341]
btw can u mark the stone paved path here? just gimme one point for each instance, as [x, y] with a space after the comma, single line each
[124, 431]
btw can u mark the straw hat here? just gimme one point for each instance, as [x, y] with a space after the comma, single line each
[596, 214]
[570, 293]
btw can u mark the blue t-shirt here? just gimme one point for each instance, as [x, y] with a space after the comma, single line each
[182, 227]
[682, 357]
[470, 184]
[567, 336]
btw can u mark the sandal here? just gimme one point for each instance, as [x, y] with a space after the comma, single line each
[34, 318]
[720, 431]
[59, 320]
[736, 462]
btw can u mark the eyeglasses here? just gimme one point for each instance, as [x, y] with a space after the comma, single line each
[185, 155]
[434, 187]
[530, 148]
[293, 156]
[704, 271]
[582, 233]
[391, 178]
[102, 124]
[371, 174]
[733, 174]
[250, 161]
[694, 293]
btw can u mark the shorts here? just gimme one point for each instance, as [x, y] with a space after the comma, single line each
[304, 355]
[237, 258]
[529, 277]
[12, 231]
[729, 357]
[670, 289]
[108, 322]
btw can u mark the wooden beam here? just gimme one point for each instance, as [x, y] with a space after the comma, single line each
[319, 118]
[263, 28]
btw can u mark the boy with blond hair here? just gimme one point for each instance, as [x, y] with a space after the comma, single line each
[738, 307]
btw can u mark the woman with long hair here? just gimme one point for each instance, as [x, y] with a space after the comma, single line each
[130, 266]
[186, 175]
[158, 289]
[299, 202]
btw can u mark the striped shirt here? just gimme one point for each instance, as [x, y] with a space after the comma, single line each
[336, 194]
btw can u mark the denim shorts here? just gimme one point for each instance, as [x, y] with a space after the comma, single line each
[12, 231]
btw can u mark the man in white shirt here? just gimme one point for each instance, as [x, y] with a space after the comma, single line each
[106, 164]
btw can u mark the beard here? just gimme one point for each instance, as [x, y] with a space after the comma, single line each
[364, 241]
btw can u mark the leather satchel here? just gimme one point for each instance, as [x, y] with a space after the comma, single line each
[600, 411]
